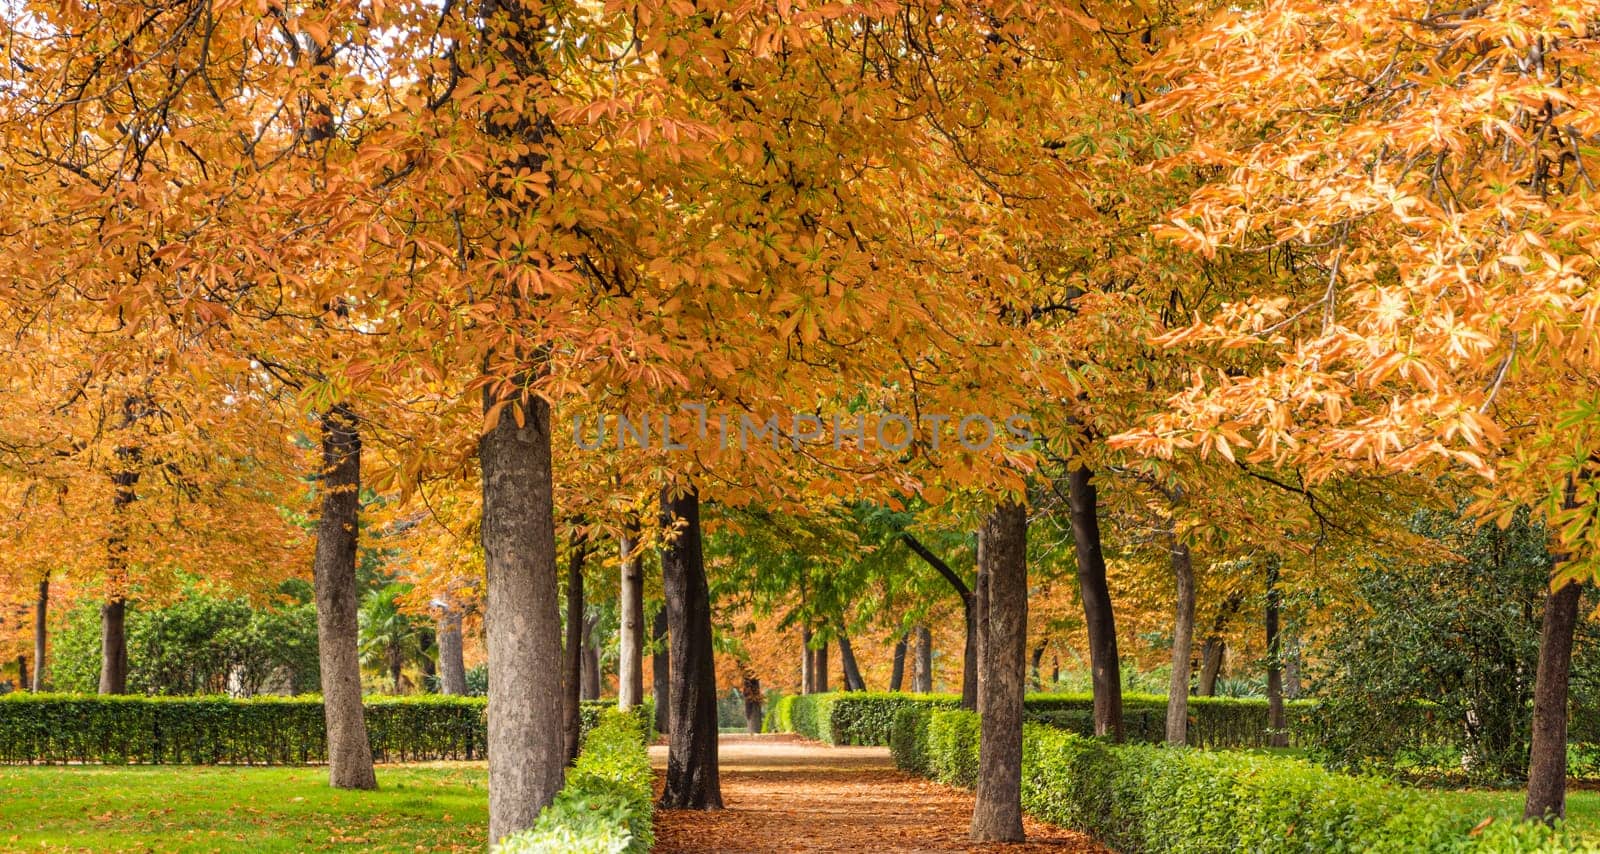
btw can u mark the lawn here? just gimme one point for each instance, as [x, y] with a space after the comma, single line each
[436, 807]
[1583, 805]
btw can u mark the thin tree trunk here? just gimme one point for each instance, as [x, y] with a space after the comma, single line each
[523, 618]
[969, 657]
[1096, 595]
[452, 667]
[591, 659]
[897, 672]
[1547, 763]
[41, 632]
[847, 663]
[692, 777]
[819, 668]
[572, 654]
[1213, 652]
[22, 672]
[113, 614]
[661, 671]
[1035, 674]
[334, 580]
[808, 662]
[1055, 670]
[630, 654]
[1277, 723]
[922, 672]
[1003, 550]
[753, 701]
[1182, 640]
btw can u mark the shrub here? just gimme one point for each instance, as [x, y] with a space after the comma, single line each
[953, 747]
[908, 738]
[54, 728]
[606, 805]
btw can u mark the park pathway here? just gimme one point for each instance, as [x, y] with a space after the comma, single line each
[784, 794]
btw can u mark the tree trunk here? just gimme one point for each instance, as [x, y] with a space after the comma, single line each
[661, 671]
[22, 673]
[1035, 674]
[847, 663]
[897, 672]
[1547, 763]
[1097, 613]
[426, 655]
[753, 701]
[1215, 648]
[41, 632]
[630, 655]
[114, 647]
[819, 668]
[692, 778]
[591, 659]
[980, 610]
[808, 661]
[1277, 723]
[922, 672]
[334, 580]
[452, 668]
[969, 657]
[113, 614]
[572, 654]
[522, 619]
[1182, 640]
[1055, 670]
[1003, 550]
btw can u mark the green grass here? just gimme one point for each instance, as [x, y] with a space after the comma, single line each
[442, 807]
[1583, 806]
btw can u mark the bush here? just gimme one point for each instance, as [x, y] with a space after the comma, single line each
[606, 805]
[57, 728]
[1146, 798]
[908, 738]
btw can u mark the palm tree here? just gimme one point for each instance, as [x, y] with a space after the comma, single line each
[389, 637]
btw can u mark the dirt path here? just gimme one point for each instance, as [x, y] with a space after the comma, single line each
[784, 794]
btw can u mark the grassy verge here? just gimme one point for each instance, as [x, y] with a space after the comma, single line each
[440, 807]
[1583, 806]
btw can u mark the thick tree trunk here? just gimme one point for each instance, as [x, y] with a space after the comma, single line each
[661, 671]
[808, 662]
[41, 631]
[847, 663]
[334, 580]
[523, 618]
[819, 668]
[692, 777]
[922, 672]
[114, 647]
[591, 659]
[572, 653]
[980, 609]
[452, 667]
[1003, 550]
[897, 671]
[753, 701]
[969, 655]
[1098, 617]
[1277, 722]
[1182, 641]
[1547, 763]
[630, 655]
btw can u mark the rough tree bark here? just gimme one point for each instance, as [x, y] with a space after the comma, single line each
[452, 668]
[661, 671]
[1098, 617]
[1182, 639]
[1547, 762]
[922, 672]
[897, 671]
[847, 663]
[334, 581]
[1277, 723]
[692, 778]
[630, 658]
[980, 609]
[523, 619]
[1003, 549]
[572, 653]
[41, 632]
[969, 659]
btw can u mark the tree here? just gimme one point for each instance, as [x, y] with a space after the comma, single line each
[692, 779]
[1003, 549]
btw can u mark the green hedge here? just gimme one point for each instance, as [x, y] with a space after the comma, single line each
[868, 718]
[1147, 798]
[63, 728]
[606, 805]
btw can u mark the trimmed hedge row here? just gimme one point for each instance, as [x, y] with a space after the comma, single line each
[607, 803]
[862, 718]
[61, 728]
[1146, 798]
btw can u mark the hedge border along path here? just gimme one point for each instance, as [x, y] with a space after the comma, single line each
[1145, 798]
[72, 728]
[784, 794]
[606, 804]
